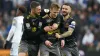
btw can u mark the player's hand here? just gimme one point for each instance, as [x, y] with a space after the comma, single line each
[57, 35]
[48, 43]
[62, 43]
[7, 43]
[47, 28]
[54, 26]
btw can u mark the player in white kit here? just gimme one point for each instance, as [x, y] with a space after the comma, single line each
[16, 31]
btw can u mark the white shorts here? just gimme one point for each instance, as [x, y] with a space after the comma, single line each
[14, 49]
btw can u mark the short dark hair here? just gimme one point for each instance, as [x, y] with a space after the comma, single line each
[22, 9]
[68, 4]
[55, 5]
[34, 4]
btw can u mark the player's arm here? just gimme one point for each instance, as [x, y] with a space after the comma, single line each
[12, 30]
[55, 24]
[51, 28]
[47, 28]
[69, 32]
[44, 14]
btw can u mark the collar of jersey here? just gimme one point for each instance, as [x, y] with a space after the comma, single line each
[32, 16]
[35, 16]
[46, 16]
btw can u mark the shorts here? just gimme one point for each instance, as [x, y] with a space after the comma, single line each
[32, 49]
[45, 50]
[70, 51]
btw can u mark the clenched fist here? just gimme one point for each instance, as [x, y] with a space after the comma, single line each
[58, 35]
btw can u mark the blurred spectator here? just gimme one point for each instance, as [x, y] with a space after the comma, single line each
[45, 2]
[18, 2]
[1, 4]
[83, 3]
[8, 5]
[90, 10]
[84, 18]
[2, 31]
[95, 8]
[10, 17]
[90, 3]
[88, 39]
[98, 1]
[70, 1]
[82, 53]
[61, 2]
[95, 19]
[2, 42]
[0, 21]
[6, 19]
[98, 47]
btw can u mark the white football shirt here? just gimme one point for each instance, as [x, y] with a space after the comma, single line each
[16, 29]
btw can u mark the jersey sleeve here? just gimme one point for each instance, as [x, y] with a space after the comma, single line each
[71, 27]
[72, 24]
[12, 30]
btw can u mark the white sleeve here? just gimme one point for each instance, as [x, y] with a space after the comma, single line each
[12, 30]
[92, 38]
[84, 40]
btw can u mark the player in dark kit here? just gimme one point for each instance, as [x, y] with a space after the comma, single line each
[31, 35]
[70, 33]
[51, 25]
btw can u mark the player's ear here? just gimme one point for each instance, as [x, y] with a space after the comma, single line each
[70, 10]
[32, 9]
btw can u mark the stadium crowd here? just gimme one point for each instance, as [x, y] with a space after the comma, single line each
[85, 12]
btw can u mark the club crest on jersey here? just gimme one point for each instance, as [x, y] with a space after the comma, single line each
[73, 23]
[28, 25]
[14, 22]
[34, 29]
[40, 24]
[33, 23]
[49, 20]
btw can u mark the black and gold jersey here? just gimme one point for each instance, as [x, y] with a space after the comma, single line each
[70, 22]
[48, 21]
[31, 28]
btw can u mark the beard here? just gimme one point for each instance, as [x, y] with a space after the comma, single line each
[64, 13]
[36, 14]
